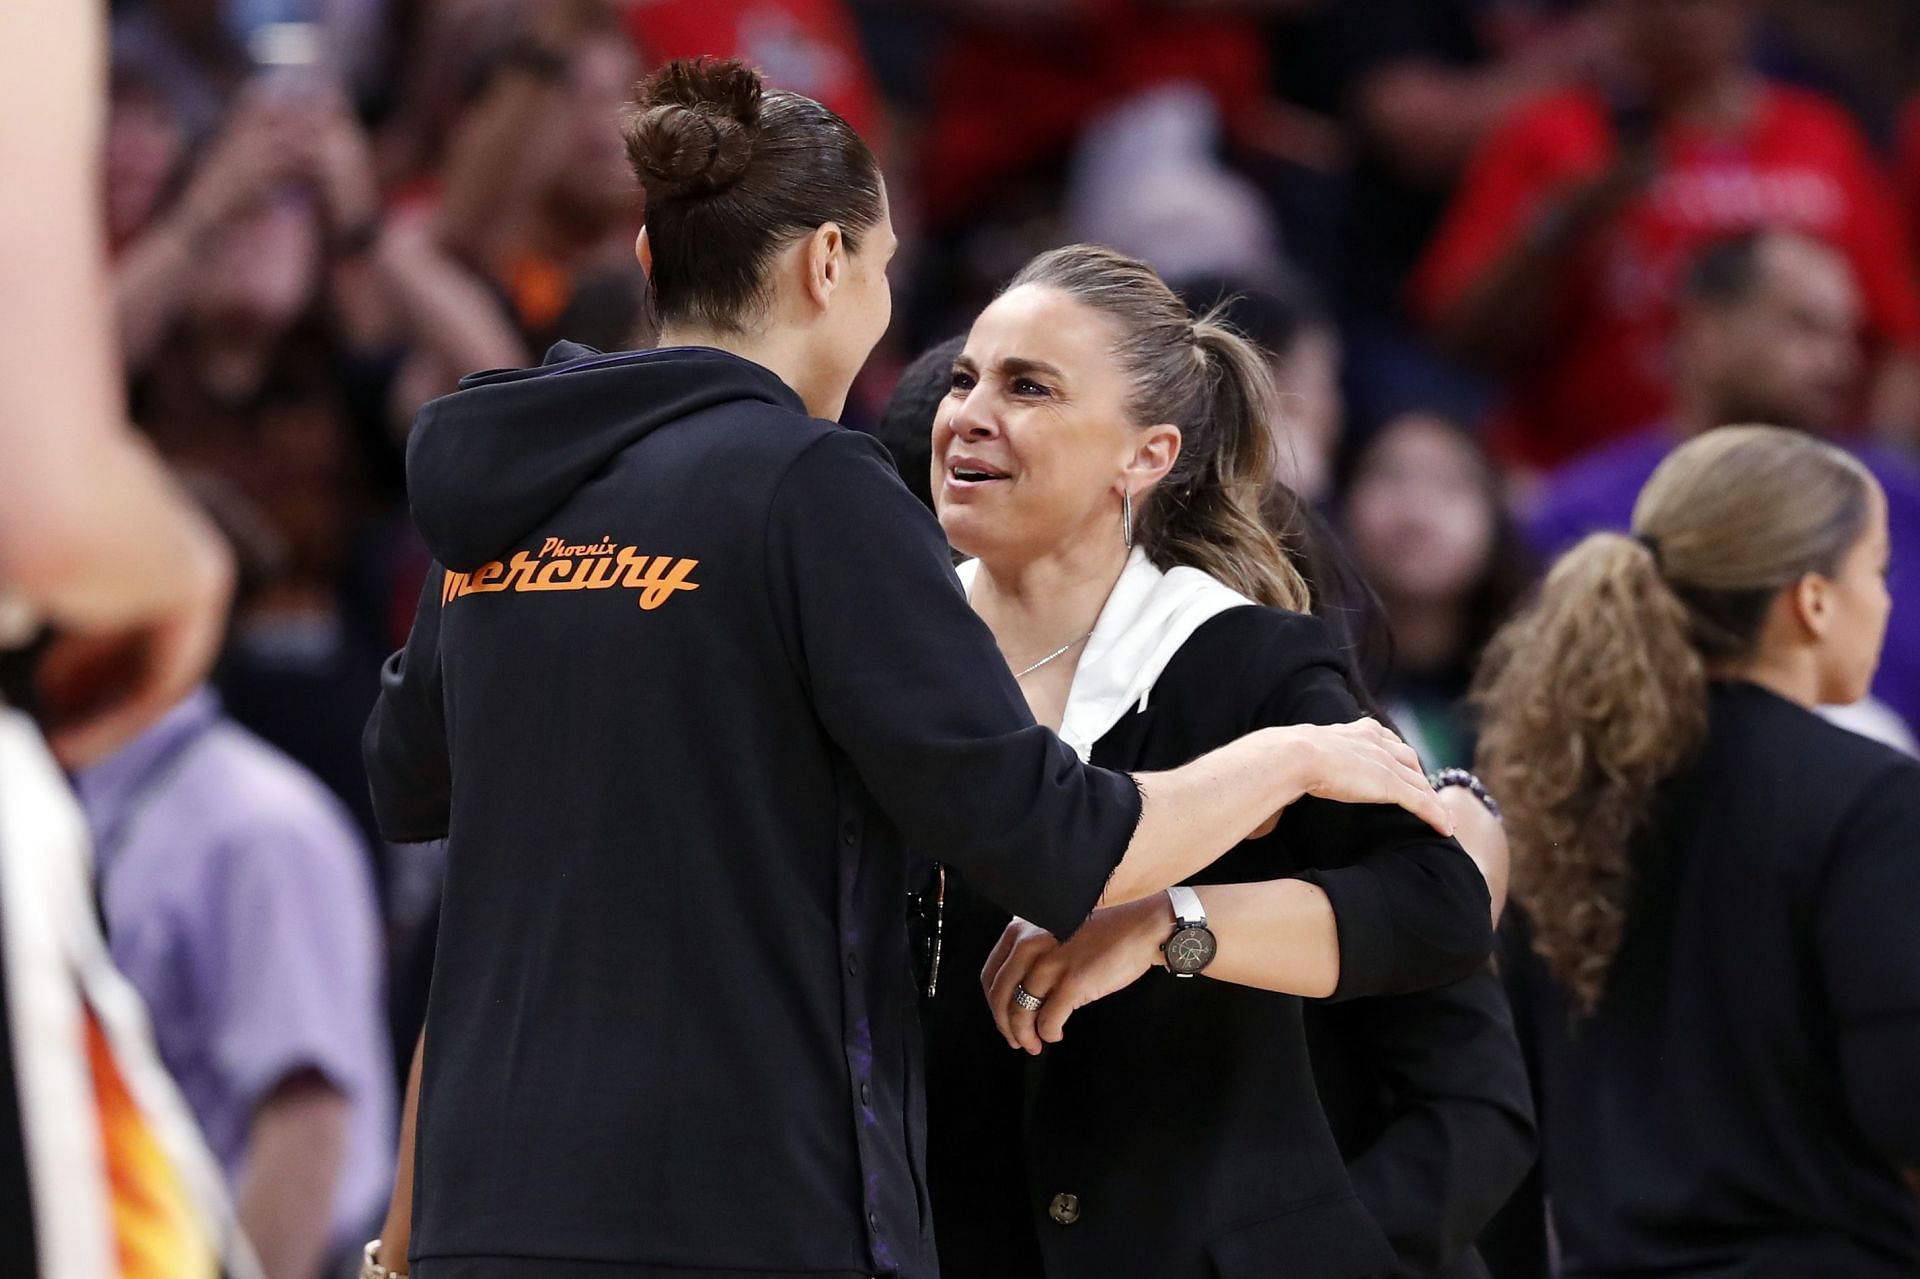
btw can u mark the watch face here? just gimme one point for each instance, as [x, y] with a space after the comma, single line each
[1190, 950]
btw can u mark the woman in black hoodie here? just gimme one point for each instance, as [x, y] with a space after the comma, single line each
[695, 675]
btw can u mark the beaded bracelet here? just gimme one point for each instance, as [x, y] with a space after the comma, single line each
[1478, 789]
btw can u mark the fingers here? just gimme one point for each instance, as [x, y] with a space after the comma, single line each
[1016, 971]
[1062, 1001]
[1372, 765]
[1401, 752]
[1419, 798]
[1039, 982]
[1391, 742]
[998, 955]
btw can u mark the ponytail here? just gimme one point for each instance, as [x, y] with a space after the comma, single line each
[1590, 698]
[1597, 692]
[1217, 387]
[1211, 516]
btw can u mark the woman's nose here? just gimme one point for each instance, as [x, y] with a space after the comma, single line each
[972, 421]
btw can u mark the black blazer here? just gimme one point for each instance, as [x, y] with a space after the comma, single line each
[1180, 1117]
[1742, 1102]
[1427, 1095]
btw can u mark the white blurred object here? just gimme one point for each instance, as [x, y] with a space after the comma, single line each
[18, 623]
[1874, 719]
[1146, 182]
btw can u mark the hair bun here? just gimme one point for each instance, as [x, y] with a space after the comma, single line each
[692, 127]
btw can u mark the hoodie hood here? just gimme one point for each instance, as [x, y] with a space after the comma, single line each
[491, 462]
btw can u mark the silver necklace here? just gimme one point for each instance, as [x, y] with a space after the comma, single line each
[1058, 652]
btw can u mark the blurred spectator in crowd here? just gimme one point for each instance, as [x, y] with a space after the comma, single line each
[198, 53]
[238, 901]
[1427, 527]
[1146, 180]
[1767, 331]
[444, 54]
[1411, 86]
[536, 194]
[1558, 259]
[186, 49]
[1016, 81]
[1907, 171]
[1861, 53]
[280, 329]
[809, 46]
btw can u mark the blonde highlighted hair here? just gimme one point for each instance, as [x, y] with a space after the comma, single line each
[1597, 692]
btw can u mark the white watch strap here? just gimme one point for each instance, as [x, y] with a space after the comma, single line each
[1187, 910]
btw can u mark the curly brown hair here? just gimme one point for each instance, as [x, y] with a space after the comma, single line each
[1597, 692]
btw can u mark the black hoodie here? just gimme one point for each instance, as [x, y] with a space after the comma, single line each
[695, 673]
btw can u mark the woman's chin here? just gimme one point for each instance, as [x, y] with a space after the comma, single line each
[965, 534]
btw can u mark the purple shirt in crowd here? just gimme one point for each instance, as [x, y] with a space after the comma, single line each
[239, 902]
[1599, 491]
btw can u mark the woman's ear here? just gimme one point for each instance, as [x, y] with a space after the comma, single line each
[1155, 451]
[1812, 598]
[826, 263]
[643, 250]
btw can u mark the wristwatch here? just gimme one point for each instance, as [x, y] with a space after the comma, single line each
[1192, 946]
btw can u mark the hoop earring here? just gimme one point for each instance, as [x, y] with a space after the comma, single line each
[1126, 517]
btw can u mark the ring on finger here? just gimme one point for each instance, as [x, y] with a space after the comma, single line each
[1027, 999]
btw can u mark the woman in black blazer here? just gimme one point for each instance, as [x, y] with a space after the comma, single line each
[1719, 969]
[1104, 455]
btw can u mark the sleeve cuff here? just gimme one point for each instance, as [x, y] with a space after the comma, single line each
[257, 1082]
[1363, 923]
[1074, 912]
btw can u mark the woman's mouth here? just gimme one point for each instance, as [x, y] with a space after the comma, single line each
[968, 473]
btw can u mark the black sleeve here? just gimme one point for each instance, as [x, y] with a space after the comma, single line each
[1411, 908]
[405, 742]
[909, 683]
[1460, 1136]
[1514, 1244]
[1869, 951]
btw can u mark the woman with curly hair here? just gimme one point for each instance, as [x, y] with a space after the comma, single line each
[1718, 886]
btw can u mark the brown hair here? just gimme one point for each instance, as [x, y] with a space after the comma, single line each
[734, 172]
[1598, 691]
[1217, 387]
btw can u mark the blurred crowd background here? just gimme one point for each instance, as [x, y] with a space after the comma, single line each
[1504, 253]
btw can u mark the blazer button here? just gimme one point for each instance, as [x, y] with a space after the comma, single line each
[1065, 1208]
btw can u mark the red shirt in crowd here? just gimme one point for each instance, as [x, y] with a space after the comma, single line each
[808, 46]
[1012, 95]
[1907, 171]
[1602, 370]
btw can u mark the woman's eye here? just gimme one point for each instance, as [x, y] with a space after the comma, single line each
[1027, 386]
[960, 382]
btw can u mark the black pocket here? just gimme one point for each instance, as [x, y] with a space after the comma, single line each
[1330, 1238]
